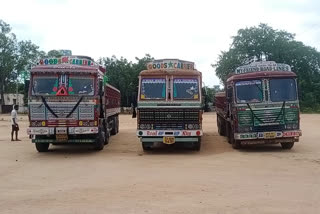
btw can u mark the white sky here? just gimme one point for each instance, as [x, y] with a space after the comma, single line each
[189, 30]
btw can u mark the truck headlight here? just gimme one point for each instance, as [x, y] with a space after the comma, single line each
[190, 126]
[142, 126]
[146, 126]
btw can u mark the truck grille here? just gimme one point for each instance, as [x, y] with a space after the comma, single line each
[82, 112]
[268, 119]
[268, 128]
[169, 119]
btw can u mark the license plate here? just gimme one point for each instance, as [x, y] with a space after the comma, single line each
[61, 130]
[270, 135]
[62, 137]
[168, 140]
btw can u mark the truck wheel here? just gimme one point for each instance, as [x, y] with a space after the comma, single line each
[287, 145]
[42, 147]
[221, 127]
[107, 137]
[236, 144]
[229, 133]
[114, 126]
[146, 146]
[197, 145]
[100, 140]
[117, 119]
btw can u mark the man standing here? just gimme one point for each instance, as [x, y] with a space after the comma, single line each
[14, 122]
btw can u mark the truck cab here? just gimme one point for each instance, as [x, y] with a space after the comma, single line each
[170, 104]
[69, 103]
[260, 106]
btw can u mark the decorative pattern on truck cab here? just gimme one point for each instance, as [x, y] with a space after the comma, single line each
[82, 112]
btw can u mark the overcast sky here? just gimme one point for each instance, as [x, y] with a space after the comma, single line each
[189, 30]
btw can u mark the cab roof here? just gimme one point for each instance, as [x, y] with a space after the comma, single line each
[162, 72]
[261, 74]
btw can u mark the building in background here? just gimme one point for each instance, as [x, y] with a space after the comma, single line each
[13, 99]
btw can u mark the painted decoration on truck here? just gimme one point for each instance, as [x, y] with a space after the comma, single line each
[262, 66]
[153, 88]
[170, 64]
[66, 60]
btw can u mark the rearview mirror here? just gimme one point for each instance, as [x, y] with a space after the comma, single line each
[101, 91]
[26, 86]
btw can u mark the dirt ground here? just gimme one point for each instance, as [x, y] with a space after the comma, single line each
[124, 179]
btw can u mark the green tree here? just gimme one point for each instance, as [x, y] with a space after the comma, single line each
[265, 43]
[8, 46]
[16, 58]
[54, 53]
[123, 74]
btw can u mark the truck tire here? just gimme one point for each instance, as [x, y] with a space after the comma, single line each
[107, 137]
[221, 126]
[236, 144]
[42, 147]
[117, 119]
[197, 145]
[228, 133]
[100, 140]
[287, 145]
[114, 126]
[146, 146]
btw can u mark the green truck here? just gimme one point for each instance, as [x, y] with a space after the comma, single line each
[260, 106]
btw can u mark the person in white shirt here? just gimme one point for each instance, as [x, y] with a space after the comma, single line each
[14, 122]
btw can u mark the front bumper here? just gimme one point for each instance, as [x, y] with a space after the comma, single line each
[177, 139]
[168, 133]
[268, 135]
[61, 130]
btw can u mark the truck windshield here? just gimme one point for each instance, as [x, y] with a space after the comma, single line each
[153, 88]
[249, 91]
[81, 85]
[282, 90]
[184, 88]
[44, 85]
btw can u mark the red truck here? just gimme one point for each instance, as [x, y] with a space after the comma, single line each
[260, 106]
[70, 103]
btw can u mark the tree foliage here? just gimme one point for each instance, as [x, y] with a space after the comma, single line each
[16, 57]
[53, 54]
[123, 74]
[265, 43]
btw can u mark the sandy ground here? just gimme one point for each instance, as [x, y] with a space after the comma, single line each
[124, 179]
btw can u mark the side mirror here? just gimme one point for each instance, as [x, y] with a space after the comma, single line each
[101, 88]
[26, 86]
[229, 99]
[134, 113]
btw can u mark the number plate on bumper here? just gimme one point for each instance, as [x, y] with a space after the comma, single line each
[62, 137]
[168, 140]
[268, 135]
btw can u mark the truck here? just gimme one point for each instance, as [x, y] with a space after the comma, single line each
[260, 106]
[70, 102]
[169, 104]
